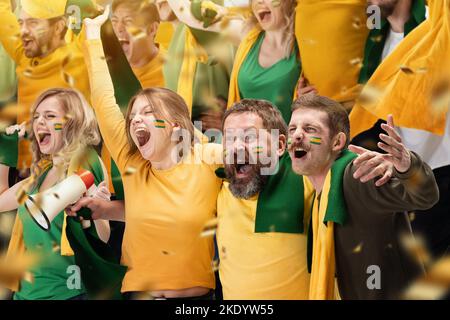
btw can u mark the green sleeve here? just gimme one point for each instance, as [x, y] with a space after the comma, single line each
[9, 149]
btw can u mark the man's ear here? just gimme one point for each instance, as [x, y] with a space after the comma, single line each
[339, 142]
[281, 145]
[61, 27]
[152, 29]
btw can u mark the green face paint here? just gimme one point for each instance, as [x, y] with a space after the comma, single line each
[58, 126]
[315, 140]
[289, 141]
[161, 124]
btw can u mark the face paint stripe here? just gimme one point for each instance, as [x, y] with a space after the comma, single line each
[58, 126]
[315, 140]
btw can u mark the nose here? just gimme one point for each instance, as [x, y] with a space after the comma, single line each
[298, 135]
[136, 119]
[24, 30]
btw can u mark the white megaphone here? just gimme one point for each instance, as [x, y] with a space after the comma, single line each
[44, 207]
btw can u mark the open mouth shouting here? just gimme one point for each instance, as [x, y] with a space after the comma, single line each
[243, 170]
[264, 16]
[27, 43]
[142, 136]
[299, 153]
[44, 138]
[125, 44]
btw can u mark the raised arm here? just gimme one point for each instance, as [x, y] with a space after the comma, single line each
[110, 119]
[10, 31]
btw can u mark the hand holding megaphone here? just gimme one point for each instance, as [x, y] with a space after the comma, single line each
[45, 206]
[96, 203]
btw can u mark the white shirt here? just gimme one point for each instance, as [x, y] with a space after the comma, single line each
[432, 148]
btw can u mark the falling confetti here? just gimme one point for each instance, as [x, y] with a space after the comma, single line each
[130, 171]
[215, 265]
[68, 79]
[358, 248]
[210, 228]
[406, 70]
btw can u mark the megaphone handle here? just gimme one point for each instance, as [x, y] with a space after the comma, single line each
[86, 224]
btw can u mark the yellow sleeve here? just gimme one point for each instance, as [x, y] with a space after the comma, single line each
[110, 119]
[10, 33]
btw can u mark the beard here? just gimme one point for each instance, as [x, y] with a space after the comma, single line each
[387, 7]
[245, 188]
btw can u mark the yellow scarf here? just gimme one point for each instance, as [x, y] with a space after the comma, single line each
[328, 208]
[193, 53]
[16, 246]
[323, 260]
[407, 82]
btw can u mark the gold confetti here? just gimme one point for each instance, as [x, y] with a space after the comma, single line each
[412, 216]
[357, 62]
[406, 70]
[357, 24]
[415, 245]
[215, 265]
[358, 248]
[68, 79]
[377, 38]
[66, 60]
[130, 171]
[28, 73]
[209, 229]
[28, 277]
[16, 267]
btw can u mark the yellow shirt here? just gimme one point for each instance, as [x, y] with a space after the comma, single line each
[166, 210]
[63, 68]
[258, 265]
[151, 75]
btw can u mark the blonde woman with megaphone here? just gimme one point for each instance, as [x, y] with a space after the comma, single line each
[63, 132]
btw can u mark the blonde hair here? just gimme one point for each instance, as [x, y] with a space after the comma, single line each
[79, 129]
[166, 105]
[288, 8]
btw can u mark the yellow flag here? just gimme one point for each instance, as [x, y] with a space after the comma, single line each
[413, 82]
[331, 35]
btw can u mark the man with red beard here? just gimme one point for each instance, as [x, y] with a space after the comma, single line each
[262, 223]
[356, 222]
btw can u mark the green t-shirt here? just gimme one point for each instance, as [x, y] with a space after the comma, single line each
[275, 84]
[51, 274]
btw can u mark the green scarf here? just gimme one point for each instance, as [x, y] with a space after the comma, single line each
[101, 271]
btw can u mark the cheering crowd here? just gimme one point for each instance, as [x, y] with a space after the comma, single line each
[261, 149]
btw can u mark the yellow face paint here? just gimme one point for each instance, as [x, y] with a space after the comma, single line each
[159, 123]
[315, 140]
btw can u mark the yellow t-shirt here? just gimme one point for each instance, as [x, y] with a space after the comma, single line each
[166, 210]
[151, 75]
[258, 265]
[63, 68]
